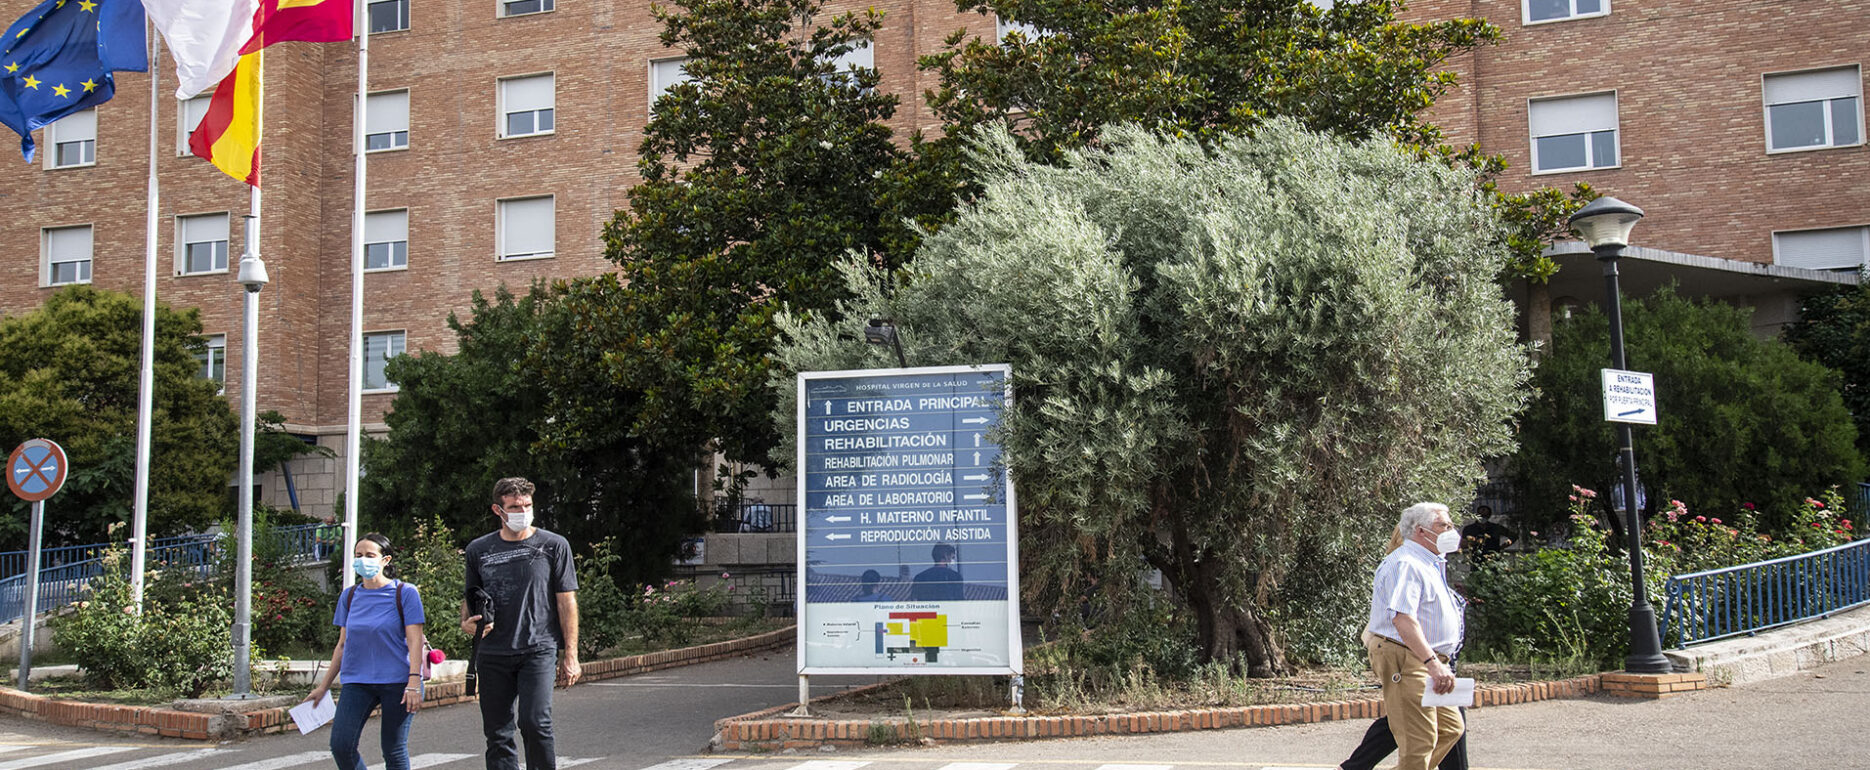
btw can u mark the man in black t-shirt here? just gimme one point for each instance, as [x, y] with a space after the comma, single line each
[531, 587]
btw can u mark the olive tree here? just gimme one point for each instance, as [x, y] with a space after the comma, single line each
[1233, 362]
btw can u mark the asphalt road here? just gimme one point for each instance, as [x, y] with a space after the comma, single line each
[663, 720]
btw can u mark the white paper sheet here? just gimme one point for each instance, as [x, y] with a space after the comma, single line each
[310, 716]
[1463, 694]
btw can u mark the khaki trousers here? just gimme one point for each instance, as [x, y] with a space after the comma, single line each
[1423, 735]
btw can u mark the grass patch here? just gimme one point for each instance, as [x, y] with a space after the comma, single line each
[75, 688]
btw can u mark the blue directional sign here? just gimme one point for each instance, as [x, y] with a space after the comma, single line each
[907, 544]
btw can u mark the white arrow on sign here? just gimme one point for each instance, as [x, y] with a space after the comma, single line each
[973, 497]
[837, 519]
[973, 421]
[975, 477]
[977, 439]
[835, 536]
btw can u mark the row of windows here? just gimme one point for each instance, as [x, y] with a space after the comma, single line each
[393, 15]
[1811, 110]
[379, 348]
[525, 228]
[1814, 109]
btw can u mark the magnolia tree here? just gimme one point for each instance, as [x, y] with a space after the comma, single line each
[1233, 365]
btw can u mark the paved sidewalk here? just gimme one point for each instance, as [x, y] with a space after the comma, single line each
[1813, 719]
[661, 721]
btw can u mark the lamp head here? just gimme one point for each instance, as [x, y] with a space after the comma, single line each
[252, 273]
[1605, 222]
[881, 331]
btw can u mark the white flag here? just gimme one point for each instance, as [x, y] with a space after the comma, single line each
[204, 36]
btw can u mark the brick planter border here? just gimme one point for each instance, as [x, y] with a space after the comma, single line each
[169, 723]
[774, 730]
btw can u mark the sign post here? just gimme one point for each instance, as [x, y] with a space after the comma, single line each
[907, 547]
[35, 471]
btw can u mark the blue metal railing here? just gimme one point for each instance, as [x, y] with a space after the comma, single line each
[1863, 500]
[1719, 603]
[61, 583]
[13, 563]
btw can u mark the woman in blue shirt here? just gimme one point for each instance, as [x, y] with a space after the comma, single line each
[379, 658]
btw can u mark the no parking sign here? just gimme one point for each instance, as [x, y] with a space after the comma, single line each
[34, 471]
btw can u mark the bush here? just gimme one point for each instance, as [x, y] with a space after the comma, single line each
[1572, 604]
[668, 615]
[432, 562]
[603, 612]
[1685, 542]
[187, 647]
[1743, 419]
[1834, 330]
[290, 611]
[181, 646]
[1557, 603]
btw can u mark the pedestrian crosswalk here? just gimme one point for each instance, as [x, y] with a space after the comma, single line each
[259, 756]
[22, 756]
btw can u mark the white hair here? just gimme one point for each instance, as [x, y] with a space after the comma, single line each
[1422, 515]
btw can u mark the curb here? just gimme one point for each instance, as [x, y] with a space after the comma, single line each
[170, 723]
[771, 730]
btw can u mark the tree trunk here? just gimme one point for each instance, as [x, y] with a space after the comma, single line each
[1539, 315]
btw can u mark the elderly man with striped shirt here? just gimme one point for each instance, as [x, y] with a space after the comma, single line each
[1415, 624]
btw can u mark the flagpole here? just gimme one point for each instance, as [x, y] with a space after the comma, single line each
[353, 426]
[252, 278]
[146, 382]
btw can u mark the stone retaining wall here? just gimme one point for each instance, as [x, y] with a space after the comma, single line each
[774, 730]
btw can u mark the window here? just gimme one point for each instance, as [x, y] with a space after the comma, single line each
[526, 105]
[188, 116]
[526, 228]
[1833, 249]
[664, 75]
[386, 121]
[1003, 25]
[73, 139]
[379, 348]
[386, 240]
[1812, 110]
[214, 359]
[67, 255]
[389, 16]
[1560, 10]
[201, 244]
[1573, 133]
[523, 7]
[863, 57]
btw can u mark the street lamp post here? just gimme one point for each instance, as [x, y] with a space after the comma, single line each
[252, 277]
[1605, 224]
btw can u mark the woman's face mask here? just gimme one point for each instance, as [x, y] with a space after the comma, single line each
[367, 567]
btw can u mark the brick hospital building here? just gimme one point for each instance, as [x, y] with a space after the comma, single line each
[502, 136]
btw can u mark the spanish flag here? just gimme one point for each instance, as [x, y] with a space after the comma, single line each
[229, 134]
[312, 21]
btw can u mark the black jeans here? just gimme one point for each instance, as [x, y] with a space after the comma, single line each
[1379, 743]
[527, 679]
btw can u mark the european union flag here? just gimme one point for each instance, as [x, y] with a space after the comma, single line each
[57, 60]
